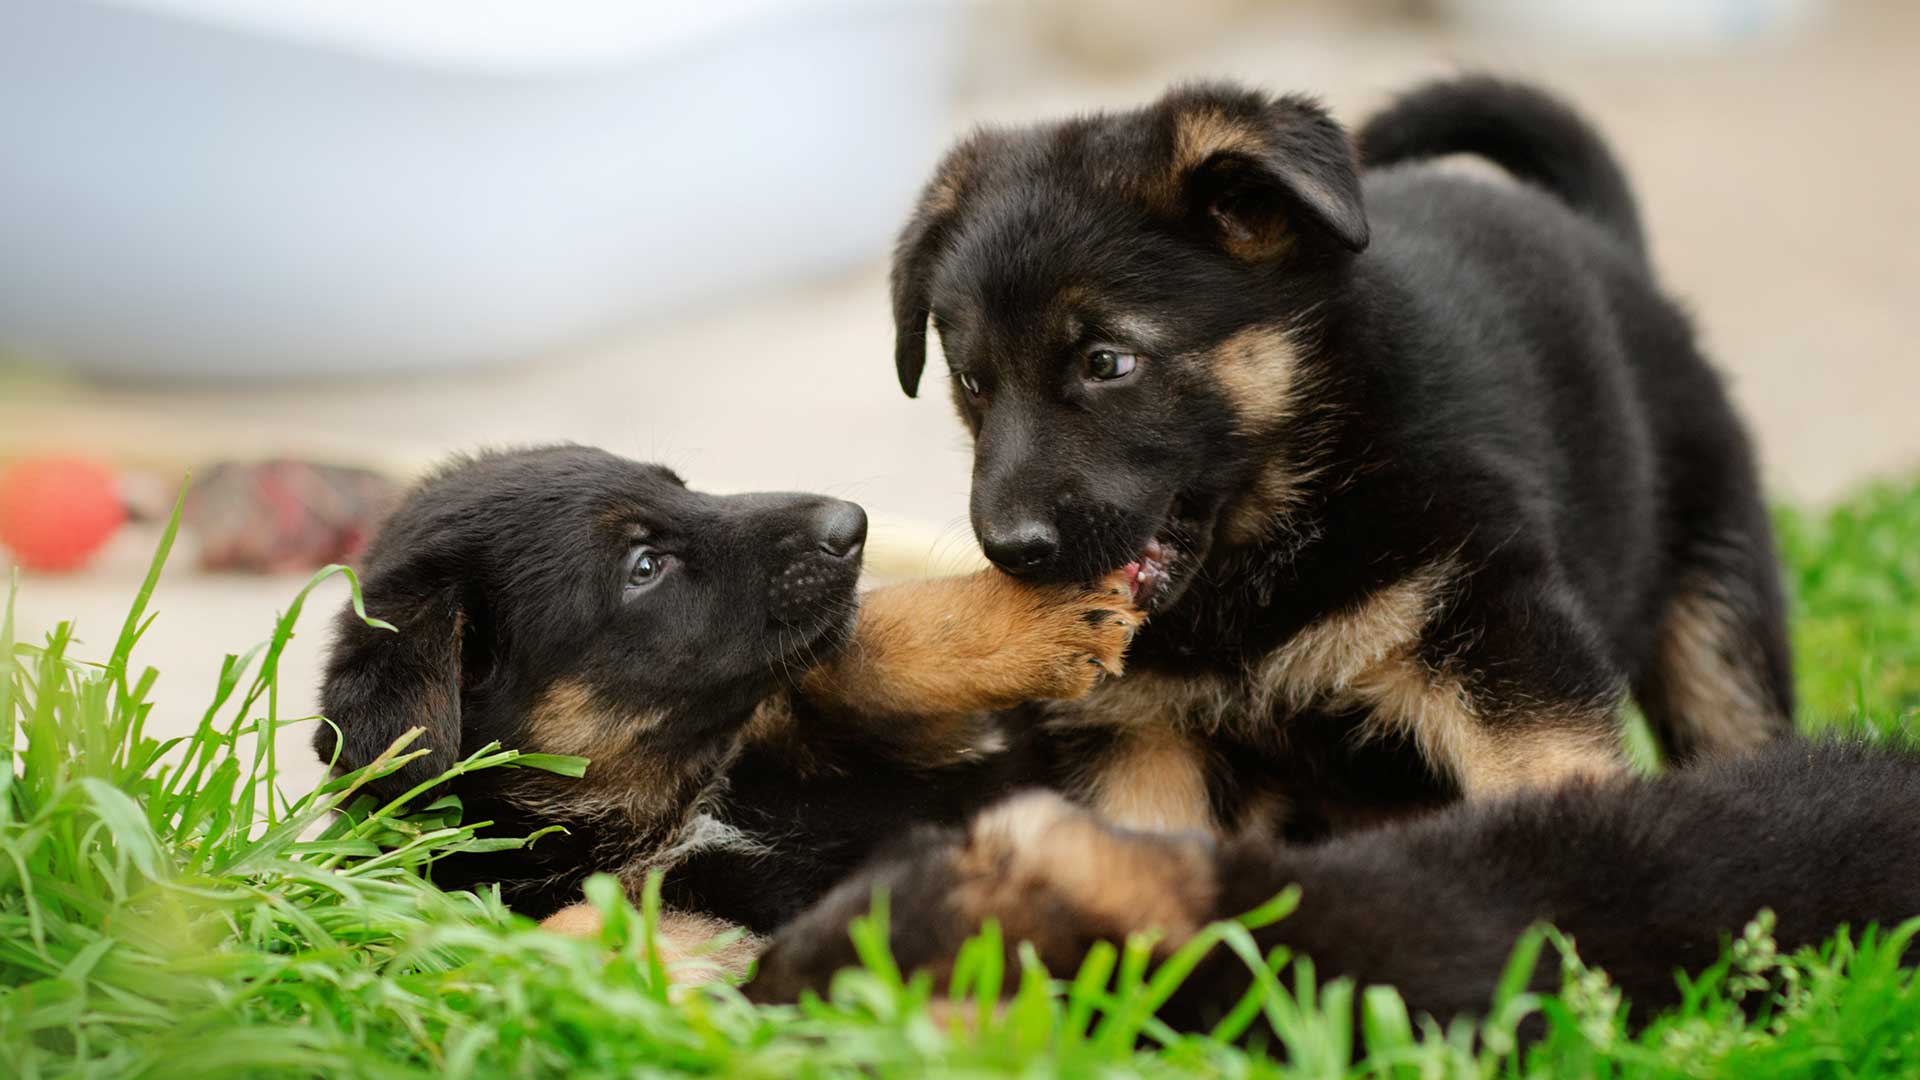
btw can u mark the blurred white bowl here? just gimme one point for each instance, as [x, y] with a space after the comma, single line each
[1634, 24]
[262, 188]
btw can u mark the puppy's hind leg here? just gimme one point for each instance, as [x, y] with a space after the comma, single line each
[686, 942]
[1721, 679]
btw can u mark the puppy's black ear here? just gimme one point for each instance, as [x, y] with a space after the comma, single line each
[912, 260]
[381, 683]
[920, 243]
[1257, 171]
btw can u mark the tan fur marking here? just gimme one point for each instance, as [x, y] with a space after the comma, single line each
[1707, 668]
[1368, 656]
[1374, 639]
[1039, 845]
[575, 920]
[1272, 393]
[1255, 369]
[1275, 496]
[1199, 134]
[957, 646]
[623, 778]
[1154, 780]
[772, 720]
[568, 720]
[684, 940]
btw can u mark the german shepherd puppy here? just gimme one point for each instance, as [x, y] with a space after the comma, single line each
[1647, 876]
[753, 727]
[1418, 473]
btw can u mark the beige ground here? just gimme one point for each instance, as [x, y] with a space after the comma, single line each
[1781, 183]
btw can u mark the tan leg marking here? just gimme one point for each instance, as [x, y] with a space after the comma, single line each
[1368, 657]
[684, 940]
[1709, 676]
[574, 920]
[1033, 852]
[1153, 780]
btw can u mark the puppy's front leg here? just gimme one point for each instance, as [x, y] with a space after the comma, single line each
[953, 646]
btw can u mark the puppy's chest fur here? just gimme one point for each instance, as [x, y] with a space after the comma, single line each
[1270, 740]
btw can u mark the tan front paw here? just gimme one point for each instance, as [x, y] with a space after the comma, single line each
[1077, 637]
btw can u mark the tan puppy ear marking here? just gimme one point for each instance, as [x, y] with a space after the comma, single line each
[1201, 133]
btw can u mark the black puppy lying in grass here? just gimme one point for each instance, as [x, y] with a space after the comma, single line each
[753, 727]
[1648, 877]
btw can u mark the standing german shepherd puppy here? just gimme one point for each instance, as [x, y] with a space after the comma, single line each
[1402, 461]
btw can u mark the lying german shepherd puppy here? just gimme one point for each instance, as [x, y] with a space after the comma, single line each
[1647, 876]
[1418, 473]
[753, 727]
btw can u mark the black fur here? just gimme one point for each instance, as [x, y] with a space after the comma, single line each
[506, 575]
[1649, 877]
[1525, 132]
[1486, 377]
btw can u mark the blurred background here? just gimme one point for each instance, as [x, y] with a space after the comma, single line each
[349, 236]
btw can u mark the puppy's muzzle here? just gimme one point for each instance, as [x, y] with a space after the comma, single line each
[819, 580]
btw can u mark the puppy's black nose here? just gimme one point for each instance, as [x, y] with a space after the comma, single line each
[1020, 547]
[841, 528]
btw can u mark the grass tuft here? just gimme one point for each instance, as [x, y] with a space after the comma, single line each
[167, 910]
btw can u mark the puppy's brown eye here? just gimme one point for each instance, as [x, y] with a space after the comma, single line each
[1105, 365]
[644, 568]
[968, 383]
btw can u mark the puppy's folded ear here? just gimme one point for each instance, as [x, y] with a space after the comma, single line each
[1258, 172]
[382, 683]
[913, 257]
[918, 246]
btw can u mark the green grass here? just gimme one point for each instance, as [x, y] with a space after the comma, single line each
[166, 910]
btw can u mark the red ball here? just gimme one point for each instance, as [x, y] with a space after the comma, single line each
[56, 512]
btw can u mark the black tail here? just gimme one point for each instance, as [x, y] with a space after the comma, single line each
[1529, 133]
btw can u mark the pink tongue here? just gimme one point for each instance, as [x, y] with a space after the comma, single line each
[1142, 571]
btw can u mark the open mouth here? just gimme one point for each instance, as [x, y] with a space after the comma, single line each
[1150, 575]
[1166, 564]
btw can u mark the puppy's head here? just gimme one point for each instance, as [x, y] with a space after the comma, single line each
[568, 601]
[1121, 299]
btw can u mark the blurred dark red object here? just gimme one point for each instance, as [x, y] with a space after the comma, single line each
[277, 516]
